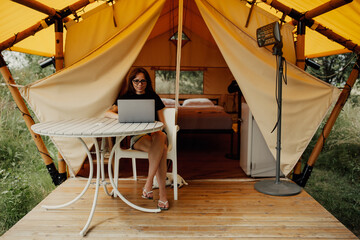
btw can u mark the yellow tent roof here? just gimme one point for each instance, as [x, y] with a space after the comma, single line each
[16, 18]
[343, 21]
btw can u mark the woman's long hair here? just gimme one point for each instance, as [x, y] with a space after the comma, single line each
[132, 76]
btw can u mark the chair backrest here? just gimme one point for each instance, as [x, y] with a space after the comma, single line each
[171, 128]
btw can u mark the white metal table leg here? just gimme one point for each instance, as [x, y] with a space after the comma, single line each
[102, 153]
[86, 186]
[84, 230]
[116, 167]
[117, 144]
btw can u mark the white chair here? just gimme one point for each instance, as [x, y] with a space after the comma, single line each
[171, 130]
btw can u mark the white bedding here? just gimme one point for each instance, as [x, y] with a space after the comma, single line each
[202, 116]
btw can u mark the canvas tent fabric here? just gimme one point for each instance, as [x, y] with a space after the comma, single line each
[306, 99]
[16, 18]
[88, 87]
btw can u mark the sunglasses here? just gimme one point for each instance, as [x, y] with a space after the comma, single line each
[137, 81]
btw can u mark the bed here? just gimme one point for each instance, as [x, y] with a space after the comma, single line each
[201, 115]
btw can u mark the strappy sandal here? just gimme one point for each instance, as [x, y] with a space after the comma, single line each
[147, 195]
[163, 205]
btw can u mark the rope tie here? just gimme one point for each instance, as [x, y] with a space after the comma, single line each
[323, 30]
[12, 85]
[348, 86]
[345, 41]
[324, 140]
[113, 12]
[43, 23]
[314, 26]
[45, 154]
[25, 114]
[16, 35]
[353, 49]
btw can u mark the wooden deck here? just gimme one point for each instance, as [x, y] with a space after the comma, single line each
[207, 209]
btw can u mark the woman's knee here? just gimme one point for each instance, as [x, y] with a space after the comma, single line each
[159, 136]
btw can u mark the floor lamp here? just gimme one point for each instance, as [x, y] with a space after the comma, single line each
[234, 88]
[268, 35]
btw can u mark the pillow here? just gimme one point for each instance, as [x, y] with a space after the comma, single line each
[168, 102]
[198, 102]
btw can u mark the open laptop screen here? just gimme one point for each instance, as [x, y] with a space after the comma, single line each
[136, 110]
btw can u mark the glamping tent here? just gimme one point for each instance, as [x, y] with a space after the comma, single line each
[103, 43]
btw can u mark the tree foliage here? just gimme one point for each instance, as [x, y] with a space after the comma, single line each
[191, 82]
[25, 68]
[334, 69]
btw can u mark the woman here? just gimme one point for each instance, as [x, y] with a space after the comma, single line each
[139, 87]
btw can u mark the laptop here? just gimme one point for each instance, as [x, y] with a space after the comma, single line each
[136, 110]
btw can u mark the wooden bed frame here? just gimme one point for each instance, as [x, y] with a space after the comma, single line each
[216, 100]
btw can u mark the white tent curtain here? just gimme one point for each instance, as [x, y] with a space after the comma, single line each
[91, 83]
[306, 99]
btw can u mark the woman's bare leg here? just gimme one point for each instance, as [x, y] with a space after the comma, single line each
[161, 175]
[156, 146]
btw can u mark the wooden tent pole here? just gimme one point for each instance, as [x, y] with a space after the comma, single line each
[59, 45]
[22, 35]
[300, 62]
[336, 37]
[296, 15]
[41, 8]
[28, 120]
[178, 52]
[43, 24]
[38, 7]
[326, 7]
[300, 45]
[59, 64]
[329, 124]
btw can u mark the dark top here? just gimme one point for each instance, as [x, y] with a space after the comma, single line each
[158, 103]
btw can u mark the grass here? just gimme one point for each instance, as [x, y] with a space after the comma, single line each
[338, 195]
[334, 182]
[24, 180]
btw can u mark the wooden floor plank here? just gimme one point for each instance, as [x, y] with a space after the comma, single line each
[206, 209]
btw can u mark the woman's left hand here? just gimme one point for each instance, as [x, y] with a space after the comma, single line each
[112, 112]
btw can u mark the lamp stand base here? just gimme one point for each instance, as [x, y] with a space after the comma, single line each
[281, 188]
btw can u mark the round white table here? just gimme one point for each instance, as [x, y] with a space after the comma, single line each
[97, 128]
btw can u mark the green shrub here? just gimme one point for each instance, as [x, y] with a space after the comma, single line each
[335, 180]
[24, 180]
